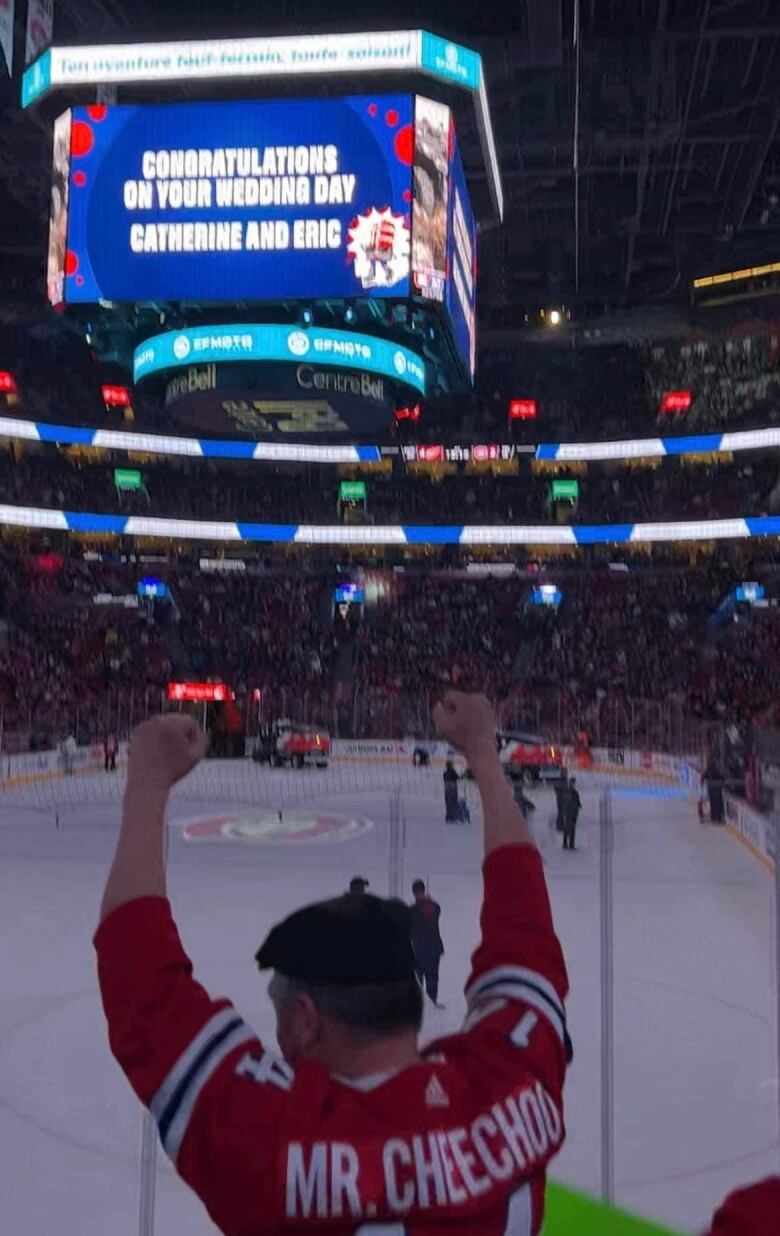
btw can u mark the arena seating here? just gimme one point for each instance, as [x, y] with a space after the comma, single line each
[71, 659]
[672, 489]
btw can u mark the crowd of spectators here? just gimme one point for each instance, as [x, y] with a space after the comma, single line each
[618, 638]
[271, 631]
[247, 491]
[64, 658]
[733, 381]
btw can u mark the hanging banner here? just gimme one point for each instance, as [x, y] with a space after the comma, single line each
[7, 33]
[40, 28]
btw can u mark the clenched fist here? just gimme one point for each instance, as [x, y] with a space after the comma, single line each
[468, 722]
[164, 750]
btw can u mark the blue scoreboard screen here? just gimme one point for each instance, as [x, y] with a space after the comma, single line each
[259, 200]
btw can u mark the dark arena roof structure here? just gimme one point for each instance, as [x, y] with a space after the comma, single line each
[674, 105]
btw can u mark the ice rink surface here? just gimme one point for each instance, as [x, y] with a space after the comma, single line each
[695, 1086]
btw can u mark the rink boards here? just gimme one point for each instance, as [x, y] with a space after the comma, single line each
[380, 763]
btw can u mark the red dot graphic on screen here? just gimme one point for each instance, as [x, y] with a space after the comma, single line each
[71, 262]
[79, 280]
[407, 195]
[82, 139]
[372, 109]
[392, 117]
[403, 143]
[97, 112]
[80, 179]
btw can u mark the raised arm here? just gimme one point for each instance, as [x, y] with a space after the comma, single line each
[468, 722]
[162, 751]
[216, 1094]
[516, 1023]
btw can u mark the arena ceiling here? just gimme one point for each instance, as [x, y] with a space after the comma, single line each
[677, 105]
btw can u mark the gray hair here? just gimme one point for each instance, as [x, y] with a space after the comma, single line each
[365, 1010]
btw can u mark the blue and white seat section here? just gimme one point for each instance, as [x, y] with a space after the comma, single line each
[299, 452]
[389, 534]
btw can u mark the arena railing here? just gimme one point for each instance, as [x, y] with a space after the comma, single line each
[299, 452]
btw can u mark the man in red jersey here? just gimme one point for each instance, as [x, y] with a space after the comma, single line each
[357, 1130]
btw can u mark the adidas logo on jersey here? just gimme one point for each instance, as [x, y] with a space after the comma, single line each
[435, 1094]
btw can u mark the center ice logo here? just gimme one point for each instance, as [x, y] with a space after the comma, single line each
[270, 827]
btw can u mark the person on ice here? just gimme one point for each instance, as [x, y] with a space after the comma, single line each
[561, 788]
[572, 805]
[527, 805]
[426, 940]
[451, 795]
[357, 887]
[354, 1126]
[110, 748]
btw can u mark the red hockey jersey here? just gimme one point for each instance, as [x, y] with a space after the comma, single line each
[457, 1142]
[753, 1211]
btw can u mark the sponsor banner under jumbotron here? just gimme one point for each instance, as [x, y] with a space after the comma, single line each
[284, 400]
[279, 380]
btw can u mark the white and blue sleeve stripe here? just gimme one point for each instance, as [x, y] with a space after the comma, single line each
[520, 983]
[174, 1102]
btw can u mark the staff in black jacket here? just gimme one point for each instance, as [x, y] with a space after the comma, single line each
[572, 805]
[451, 798]
[561, 787]
[426, 940]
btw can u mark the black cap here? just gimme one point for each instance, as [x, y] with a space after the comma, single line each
[347, 941]
[358, 885]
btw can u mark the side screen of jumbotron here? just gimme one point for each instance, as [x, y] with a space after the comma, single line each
[462, 263]
[444, 238]
[230, 201]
